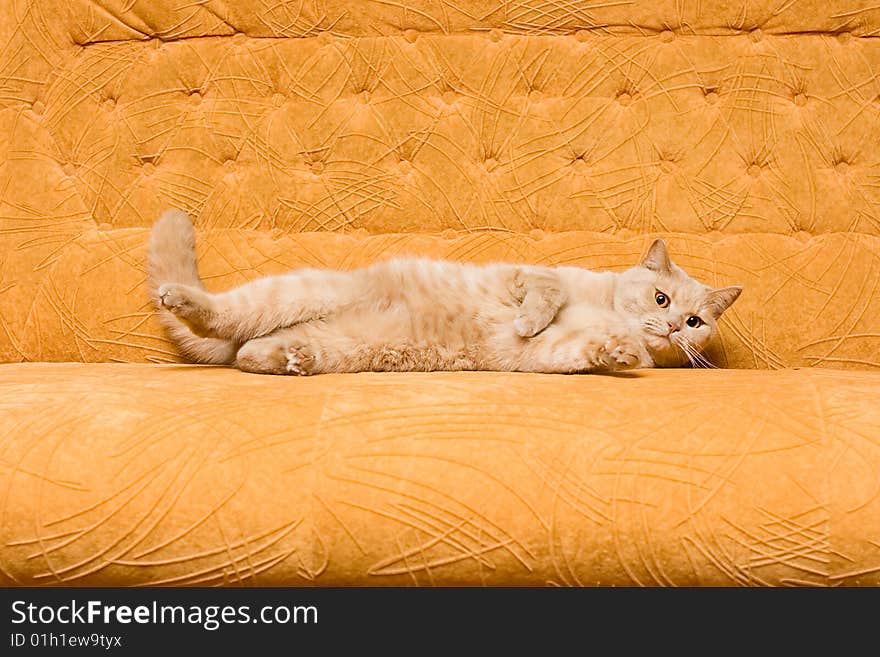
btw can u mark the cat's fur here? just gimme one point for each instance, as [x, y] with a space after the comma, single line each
[424, 315]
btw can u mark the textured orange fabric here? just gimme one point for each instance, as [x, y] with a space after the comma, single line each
[697, 134]
[561, 146]
[149, 474]
[337, 132]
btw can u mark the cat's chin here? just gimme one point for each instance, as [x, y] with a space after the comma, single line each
[664, 353]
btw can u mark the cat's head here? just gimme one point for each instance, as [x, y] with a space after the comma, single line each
[676, 314]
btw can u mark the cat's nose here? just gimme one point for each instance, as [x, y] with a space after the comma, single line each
[673, 327]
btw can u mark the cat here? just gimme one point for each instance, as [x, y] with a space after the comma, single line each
[413, 314]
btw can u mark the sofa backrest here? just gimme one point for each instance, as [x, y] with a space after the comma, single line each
[336, 133]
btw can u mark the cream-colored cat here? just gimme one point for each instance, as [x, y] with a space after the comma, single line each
[424, 315]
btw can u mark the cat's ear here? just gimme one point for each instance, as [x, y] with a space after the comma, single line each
[720, 299]
[657, 257]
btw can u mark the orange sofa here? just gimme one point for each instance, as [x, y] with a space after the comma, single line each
[334, 133]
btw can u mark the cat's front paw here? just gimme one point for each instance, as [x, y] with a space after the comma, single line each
[528, 325]
[621, 353]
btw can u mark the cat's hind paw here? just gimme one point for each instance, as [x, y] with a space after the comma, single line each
[174, 297]
[299, 362]
[190, 305]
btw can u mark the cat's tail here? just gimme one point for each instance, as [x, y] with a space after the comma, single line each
[171, 258]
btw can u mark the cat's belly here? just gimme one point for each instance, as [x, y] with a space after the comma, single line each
[402, 339]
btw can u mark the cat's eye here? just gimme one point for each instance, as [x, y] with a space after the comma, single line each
[661, 299]
[694, 322]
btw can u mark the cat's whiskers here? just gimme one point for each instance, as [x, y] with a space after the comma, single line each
[681, 342]
[703, 360]
[655, 325]
[692, 353]
[696, 359]
[689, 353]
[677, 341]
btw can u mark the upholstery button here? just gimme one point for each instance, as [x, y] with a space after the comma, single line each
[239, 38]
[756, 35]
[148, 168]
[277, 99]
[580, 164]
[110, 104]
[667, 36]
[365, 96]
[711, 97]
[491, 164]
[195, 96]
[405, 165]
[535, 96]
[582, 35]
[536, 234]
[666, 165]
[800, 99]
[624, 98]
[842, 167]
[844, 37]
[37, 107]
[411, 36]
[754, 170]
[317, 168]
[68, 169]
[495, 34]
[449, 97]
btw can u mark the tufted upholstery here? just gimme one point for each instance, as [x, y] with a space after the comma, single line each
[335, 133]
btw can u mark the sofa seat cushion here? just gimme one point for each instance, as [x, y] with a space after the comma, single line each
[134, 474]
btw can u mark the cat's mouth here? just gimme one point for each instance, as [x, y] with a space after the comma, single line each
[666, 348]
[658, 343]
